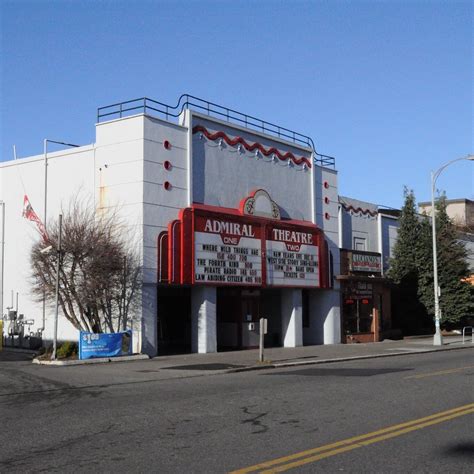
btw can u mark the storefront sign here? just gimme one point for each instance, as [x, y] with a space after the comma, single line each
[360, 262]
[227, 252]
[358, 291]
[292, 258]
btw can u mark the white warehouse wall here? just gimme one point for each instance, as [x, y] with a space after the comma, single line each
[69, 172]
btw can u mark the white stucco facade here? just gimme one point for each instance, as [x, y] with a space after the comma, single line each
[149, 169]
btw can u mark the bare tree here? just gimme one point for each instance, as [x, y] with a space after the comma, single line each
[100, 271]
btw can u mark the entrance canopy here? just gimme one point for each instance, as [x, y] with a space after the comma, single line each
[229, 247]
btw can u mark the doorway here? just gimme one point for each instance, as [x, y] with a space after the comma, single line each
[238, 312]
[174, 320]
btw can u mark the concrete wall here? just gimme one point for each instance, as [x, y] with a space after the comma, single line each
[389, 229]
[119, 175]
[124, 171]
[161, 206]
[222, 175]
[69, 173]
[461, 211]
[324, 318]
[359, 225]
[325, 304]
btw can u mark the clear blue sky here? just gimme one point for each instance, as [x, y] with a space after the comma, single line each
[384, 86]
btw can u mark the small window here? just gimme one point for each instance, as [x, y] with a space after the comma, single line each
[360, 244]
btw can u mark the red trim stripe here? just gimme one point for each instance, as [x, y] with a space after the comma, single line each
[359, 209]
[251, 146]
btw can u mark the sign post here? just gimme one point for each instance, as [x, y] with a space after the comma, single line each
[262, 332]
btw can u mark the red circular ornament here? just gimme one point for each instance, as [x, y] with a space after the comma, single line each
[167, 165]
[167, 144]
[326, 184]
[167, 185]
[326, 200]
[327, 216]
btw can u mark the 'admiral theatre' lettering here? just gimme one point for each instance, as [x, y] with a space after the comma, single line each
[230, 228]
[228, 249]
[292, 258]
[227, 252]
[292, 236]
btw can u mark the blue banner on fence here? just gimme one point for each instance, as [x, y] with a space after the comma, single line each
[104, 345]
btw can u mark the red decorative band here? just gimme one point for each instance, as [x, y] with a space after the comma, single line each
[359, 209]
[252, 146]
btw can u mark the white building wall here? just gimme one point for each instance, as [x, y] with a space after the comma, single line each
[362, 226]
[222, 175]
[161, 206]
[204, 319]
[124, 172]
[324, 318]
[324, 327]
[390, 227]
[70, 173]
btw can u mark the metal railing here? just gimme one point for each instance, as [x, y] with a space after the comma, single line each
[149, 106]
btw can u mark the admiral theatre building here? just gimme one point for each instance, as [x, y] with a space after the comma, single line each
[236, 219]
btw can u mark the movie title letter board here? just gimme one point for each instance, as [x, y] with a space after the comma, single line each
[227, 252]
[292, 258]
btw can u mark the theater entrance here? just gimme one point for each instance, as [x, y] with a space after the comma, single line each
[238, 314]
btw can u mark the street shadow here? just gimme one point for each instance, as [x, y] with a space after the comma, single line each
[204, 367]
[461, 450]
[12, 356]
[318, 372]
[299, 358]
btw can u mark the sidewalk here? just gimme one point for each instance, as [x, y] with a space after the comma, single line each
[237, 361]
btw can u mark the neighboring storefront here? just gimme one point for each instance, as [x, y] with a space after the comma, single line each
[365, 297]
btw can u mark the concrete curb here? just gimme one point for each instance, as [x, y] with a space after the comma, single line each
[99, 360]
[296, 363]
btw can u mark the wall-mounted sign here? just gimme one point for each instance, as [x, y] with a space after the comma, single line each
[363, 262]
[358, 291]
[227, 251]
[216, 246]
[292, 258]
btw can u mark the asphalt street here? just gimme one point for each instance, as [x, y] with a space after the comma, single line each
[399, 414]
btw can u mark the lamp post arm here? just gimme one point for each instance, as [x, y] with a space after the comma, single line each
[436, 173]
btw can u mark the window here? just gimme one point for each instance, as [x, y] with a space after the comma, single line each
[357, 315]
[360, 244]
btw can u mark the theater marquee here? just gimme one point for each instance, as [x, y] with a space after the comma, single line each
[221, 246]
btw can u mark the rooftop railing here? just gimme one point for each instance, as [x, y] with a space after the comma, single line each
[149, 106]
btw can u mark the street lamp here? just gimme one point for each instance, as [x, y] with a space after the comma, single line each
[47, 250]
[438, 339]
[56, 303]
[45, 216]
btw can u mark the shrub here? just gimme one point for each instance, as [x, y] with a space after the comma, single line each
[66, 349]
